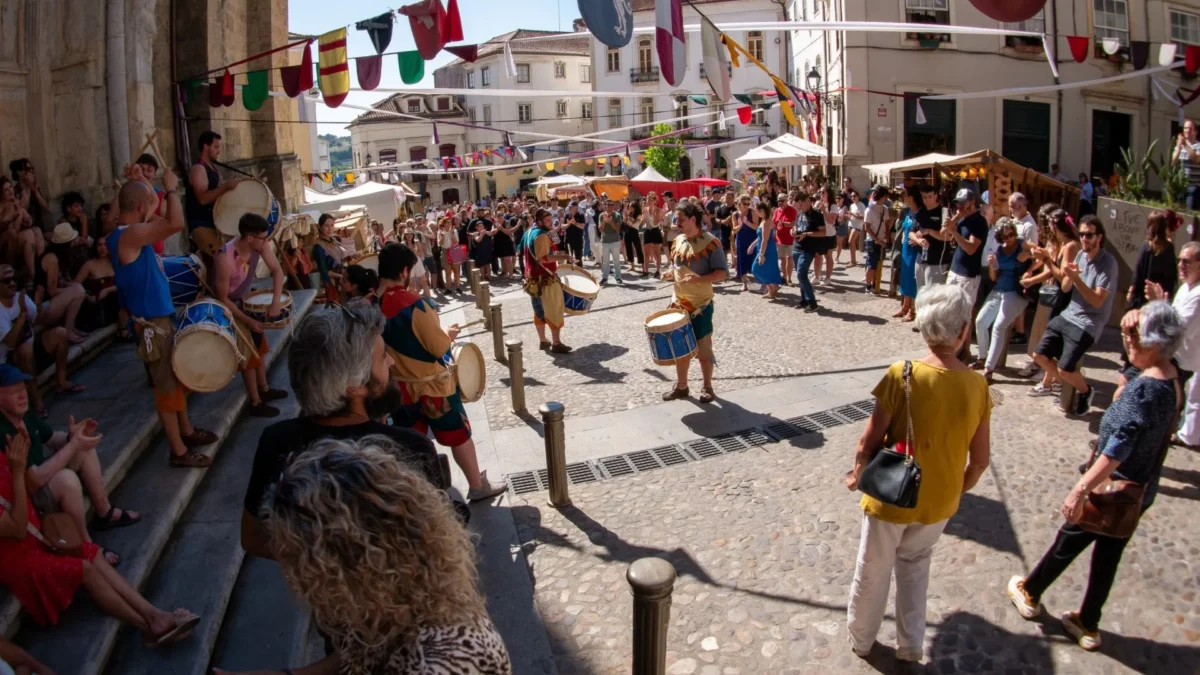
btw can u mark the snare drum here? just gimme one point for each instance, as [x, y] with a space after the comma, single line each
[256, 304]
[184, 273]
[206, 355]
[579, 289]
[465, 360]
[671, 336]
[249, 196]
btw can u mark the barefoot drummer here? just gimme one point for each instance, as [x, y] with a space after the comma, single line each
[698, 262]
[233, 273]
[430, 397]
[541, 281]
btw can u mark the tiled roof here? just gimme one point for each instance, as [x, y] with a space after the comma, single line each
[394, 103]
[648, 5]
[572, 44]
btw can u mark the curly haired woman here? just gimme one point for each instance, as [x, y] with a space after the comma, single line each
[409, 603]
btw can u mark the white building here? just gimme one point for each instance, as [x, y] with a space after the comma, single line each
[635, 68]
[1081, 129]
[379, 138]
[562, 64]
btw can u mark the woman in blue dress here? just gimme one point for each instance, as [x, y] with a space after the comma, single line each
[766, 262]
[745, 233]
[908, 257]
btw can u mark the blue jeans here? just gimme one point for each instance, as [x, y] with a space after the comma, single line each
[1193, 197]
[802, 261]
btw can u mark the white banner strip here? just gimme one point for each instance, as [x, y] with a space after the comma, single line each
[1021, 91]
[863, 26]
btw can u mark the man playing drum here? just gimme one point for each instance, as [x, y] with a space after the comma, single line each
[207, 188]
[232, 274]
[429, 394]
[698, 262]
[541, 282]
[144, 290]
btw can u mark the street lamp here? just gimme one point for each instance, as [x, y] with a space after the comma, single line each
[814, 83]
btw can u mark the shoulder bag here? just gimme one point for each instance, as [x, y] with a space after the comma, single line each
[59, 532]
[895, 477]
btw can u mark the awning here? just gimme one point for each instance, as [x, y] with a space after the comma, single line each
[934, 159]
[786, 150]
[651, 175]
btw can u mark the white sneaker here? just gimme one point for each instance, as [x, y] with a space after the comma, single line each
[1088, 640]
[1021, 600]
[486, 489]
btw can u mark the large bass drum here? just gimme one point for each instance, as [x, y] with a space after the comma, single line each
[250, 196]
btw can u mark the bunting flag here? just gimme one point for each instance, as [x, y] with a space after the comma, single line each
[435, 139]
[715, 59]
[220, 92]
[698, 100]
[588, 161]
[255, 92]
[785, 103]
[669, 39]
[1191, 58]
[744, 99]
[335, 71]
[379, 29]
[412, 67]
[1166, 53]
[297, 79]
[370, 70]
[1110, 45]
[733, 55]
[1139, 52]
[467, 53]
[920, 113]
[611, 21]
[327, 177]
[549, 166]
[744, 114]
[428, 21]
[1079, 47]
[454, 30]
[510, 66]
[721, 120]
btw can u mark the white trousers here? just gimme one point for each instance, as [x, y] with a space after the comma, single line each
[610, 254]
[882, 547]
[999, 311]
[928, 275]
[969, 284]
[1189, 429]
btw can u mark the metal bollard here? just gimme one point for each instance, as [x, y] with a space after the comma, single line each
[497, 327]
[516, 375]
[556, 453]
[474, 281]
[651, 581]
[483, 300]
[470, 269]
[1066, 399]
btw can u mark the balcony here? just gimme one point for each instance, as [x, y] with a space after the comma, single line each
[730, 67]
[647, 75]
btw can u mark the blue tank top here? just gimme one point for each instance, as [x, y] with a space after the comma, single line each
[1011, 269]
[142, 283]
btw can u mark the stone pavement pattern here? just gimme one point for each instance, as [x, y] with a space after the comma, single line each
[765, 544]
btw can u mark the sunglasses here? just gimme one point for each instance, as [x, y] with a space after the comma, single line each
[1088, 235]
[8, 280]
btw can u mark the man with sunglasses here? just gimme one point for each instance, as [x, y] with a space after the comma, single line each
[233, 272]
[1092, 282]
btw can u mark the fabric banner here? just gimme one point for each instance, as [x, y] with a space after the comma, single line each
[716, 60]
[412, 67]
[1191, 58]
[370, 70]
[1166, 53]
[610, 21]
[379, 29]
[255, 92]
[428, 21]
[468, 53]
[1079, 47]
[510, 65]
[668, 38]
[299, 78]
[1022, 91]
[1139, 53]
[454, 30]
[335, 70]
[220, 91]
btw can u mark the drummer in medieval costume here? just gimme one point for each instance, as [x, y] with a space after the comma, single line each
[328, 256]
[207, 188]
[698, 262]
[429, 394]
[541, 281]
[232, 274]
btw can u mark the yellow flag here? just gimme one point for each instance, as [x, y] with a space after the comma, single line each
[549, 166]
[349, 177]
[785, 100]
[733, 55]
[327, 177]
[334, 68]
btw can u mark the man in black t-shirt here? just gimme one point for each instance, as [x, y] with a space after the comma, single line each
[968, 229]
[810, 243]
[710, 202]
[724, 216]
[934, 259]
[340, 374]
[573, 230]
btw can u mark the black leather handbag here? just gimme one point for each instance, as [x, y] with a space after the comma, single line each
[895, 477]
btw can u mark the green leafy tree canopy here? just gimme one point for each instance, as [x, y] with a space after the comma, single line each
[664, 156]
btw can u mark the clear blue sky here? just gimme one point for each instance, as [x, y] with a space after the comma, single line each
[481, 20]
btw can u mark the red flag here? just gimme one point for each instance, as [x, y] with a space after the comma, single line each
[467, 53]
[220, 91]
[427, 19]
[1191, 58]
[1079, 47]
[744, 114]
[454, 31]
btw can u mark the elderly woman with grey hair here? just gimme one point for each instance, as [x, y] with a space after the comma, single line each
[339, 372]
[1134, 436]
[950, 408]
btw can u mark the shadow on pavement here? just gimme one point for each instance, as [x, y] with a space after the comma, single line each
[588, 361]
[985, 521]
[1190, 478]
[968, 643]
[722, 417]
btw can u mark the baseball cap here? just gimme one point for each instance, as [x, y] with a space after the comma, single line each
[10, 375]
[964, 195]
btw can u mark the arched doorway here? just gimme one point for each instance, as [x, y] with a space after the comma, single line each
[450, 196]
[685, 167]
[721, 168]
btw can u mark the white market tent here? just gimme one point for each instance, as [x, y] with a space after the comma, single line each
[884, 171]
[565, 180]
[381, 200]
[650, 175]
[786, 150]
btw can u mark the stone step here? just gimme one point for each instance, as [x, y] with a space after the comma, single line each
[85, 637]
[200, 565]
[266, 626]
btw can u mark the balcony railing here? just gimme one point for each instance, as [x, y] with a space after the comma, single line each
[643, 75]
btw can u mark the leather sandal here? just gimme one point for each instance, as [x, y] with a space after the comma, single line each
[199, 438]
[707, 395]
[676, 394]
[190, 460]
[107, 522]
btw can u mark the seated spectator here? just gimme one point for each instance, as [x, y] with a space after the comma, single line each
[106, 219]
[45, 580]
[73, 214]
[103, 305]
[29, 193]
[61, 464]
[58, 298]
[411, 602]
[12, 656]
[359, 282]
[19, 347]
[22, 241]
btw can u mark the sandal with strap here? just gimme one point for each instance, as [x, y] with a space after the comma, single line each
[107, 522]
[199, 438]
[185, 623]
[190, 460]
[707, 395]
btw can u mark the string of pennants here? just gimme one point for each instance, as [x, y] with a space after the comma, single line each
[1139, 51]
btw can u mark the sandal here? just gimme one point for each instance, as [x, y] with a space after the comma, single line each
[111, 557]
[185, 623]
[199, 438]
[190, 460]
[707, 395]
[675, 394]
[107, 522]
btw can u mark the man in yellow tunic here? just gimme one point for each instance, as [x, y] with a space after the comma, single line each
[541, 281]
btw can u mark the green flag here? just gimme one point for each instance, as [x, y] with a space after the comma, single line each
[254, 93]
[412, 67]
[744, 99]
[699, 100]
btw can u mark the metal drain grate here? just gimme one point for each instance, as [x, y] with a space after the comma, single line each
[826, 420]
[753, 437]
[581, 472]
[805, 424]
[867, 405]
[670, 455]
[783, 431]
[851, 413]
[731, 443]
[703, 448]
[644, 460]
[522, 483]
[618, 465]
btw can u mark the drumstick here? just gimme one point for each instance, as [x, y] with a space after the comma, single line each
[149, 139]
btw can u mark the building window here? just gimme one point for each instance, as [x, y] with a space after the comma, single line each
[524, 113]
[523, 73]
[759, 118]
[487, 115]
[1025, 134]
[561, 108]
[1035, 24]
[1185, 27]
[586, 110]
[614, 60]
[446, 150]
[754, 44]
[416, 153]
[485, 76]
[585, 73]
[387, 157]
[471, 115]
[934, 12]
[470, 79]
[645, 52]
[646, 108]
[1112, 20]
[938, 132]
[414, 105]
[614, 113]
[560, 70]
[682, 114]
[443, 103]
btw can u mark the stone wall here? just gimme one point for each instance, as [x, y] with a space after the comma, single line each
[1125, 230]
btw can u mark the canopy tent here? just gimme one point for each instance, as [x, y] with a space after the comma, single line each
[651, 175]
[651, 180]
[563, 186]
[609, 187]
[558, 181]
[884, 171]
[707, 182]
[382, 201]
[786, 150]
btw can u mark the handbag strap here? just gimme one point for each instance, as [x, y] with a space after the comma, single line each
[28, 525]
[911, 455]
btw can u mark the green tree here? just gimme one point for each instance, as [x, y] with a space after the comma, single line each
[665, 154]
